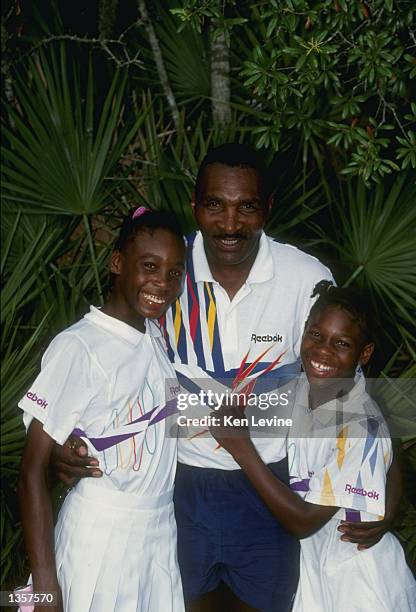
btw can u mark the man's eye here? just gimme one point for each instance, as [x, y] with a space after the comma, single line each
[313, 332]
[249, 206]
[213, 204]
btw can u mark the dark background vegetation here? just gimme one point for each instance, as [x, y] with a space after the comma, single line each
[110, 104]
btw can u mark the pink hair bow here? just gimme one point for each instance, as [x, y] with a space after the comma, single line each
[140, 211]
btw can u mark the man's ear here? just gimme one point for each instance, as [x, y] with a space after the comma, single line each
[366, 353]
[116, 262]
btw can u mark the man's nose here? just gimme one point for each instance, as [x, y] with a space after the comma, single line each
[230, 221]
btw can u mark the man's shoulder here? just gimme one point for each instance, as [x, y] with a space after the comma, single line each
[293, 259]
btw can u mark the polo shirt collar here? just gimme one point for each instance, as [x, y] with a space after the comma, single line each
[261, 271]
[118, 328]
[325, 415]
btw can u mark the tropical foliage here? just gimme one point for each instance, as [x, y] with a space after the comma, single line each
[336, 76]
[88, 131]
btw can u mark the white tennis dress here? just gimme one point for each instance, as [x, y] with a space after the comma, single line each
[115, 538]
[339, 455]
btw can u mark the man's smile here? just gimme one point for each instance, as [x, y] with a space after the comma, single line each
[228, 242]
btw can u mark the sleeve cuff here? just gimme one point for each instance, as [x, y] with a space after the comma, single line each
[343, 501]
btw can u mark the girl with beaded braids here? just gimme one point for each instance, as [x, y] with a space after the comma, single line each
[114, 545]
[339, 451]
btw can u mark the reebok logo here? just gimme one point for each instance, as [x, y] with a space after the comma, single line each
[38, 400]
[266, 338]
[373, 494]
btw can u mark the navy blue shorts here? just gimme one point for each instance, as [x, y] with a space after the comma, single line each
[226, 533]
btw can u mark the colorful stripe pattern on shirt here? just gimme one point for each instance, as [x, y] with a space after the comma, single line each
[212, 324]
[138, 426]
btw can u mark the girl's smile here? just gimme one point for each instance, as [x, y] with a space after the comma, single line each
[149, 275]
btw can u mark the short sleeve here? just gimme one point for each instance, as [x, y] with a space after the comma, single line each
[68, 382]
[354, 476]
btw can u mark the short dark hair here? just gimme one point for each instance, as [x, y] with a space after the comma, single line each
[350, 299]
[235, 155]
[147, 220]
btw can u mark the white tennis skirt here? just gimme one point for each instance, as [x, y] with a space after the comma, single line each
[117, 552]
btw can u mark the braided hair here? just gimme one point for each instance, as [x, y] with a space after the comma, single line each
[145, 220]
[349, 299]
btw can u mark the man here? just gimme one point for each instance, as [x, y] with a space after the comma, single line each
[245, 304]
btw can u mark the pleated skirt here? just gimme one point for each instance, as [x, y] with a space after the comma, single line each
[117, 552]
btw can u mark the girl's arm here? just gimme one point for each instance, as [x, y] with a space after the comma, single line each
[36, 511]
[301, 518]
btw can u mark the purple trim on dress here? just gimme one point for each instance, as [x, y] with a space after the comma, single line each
[103, 443]
[300, 485]
[352, 516]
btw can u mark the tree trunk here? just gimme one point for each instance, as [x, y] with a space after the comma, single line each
[220, 81]
[160, 65]
[107, 14]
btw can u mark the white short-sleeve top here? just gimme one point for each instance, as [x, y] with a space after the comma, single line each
[115, 387]
[339, 454]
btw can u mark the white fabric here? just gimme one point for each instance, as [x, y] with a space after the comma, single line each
[100, 376]
[271, 306]
[345, 465]
[117, 554]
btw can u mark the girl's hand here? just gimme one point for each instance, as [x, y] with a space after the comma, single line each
[230, 429]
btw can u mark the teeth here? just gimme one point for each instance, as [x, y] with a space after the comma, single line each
[229, 242]
[320, 366]
[153, 298]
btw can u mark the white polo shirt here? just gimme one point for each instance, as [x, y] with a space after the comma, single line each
[106, 380]
[211, 339]
[344, 464]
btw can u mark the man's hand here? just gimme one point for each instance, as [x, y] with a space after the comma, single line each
[71, 462]
[368, 534]
[364, 534]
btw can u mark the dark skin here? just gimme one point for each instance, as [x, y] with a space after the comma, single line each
[300, 518]
[332, 347]
[231, 214]
[148, 278]
[35, 502]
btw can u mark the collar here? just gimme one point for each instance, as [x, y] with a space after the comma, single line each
[350, 405]
[262, 269]
[116, 327]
